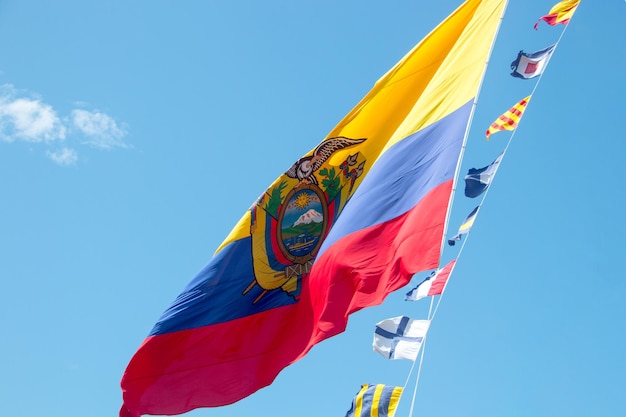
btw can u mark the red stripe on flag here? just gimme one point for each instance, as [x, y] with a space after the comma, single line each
[506, 121]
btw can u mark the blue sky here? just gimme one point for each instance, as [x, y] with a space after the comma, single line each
[133, 136]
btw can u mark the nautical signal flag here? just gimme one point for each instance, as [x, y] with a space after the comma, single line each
[531, 65]
[433, 285]
[561, 13]
[465, 226]
[509, 119]
[478, 180]
[348, 223]
[375, 401]
[399, 337]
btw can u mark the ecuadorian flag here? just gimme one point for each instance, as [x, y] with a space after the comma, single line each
[348, 223]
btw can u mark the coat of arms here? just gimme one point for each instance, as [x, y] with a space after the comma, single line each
[290, 221]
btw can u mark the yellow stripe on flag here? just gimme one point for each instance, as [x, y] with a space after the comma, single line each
[359, 400]
[395, 400]
[376, 400]
[436, 78]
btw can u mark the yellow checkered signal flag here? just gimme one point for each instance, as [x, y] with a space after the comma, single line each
[510, 119]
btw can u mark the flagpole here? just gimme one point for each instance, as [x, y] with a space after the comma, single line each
[419, 368]
[431, 317]
[451, 199]
[467, 129]
[484, 196]
[503, 154]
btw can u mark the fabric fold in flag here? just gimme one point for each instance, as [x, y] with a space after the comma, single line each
[375, 401]
[508, 120]
[433, 285]
[399, 337]
[531, 65]
[465, 226]
[561, 13]
[345, 225]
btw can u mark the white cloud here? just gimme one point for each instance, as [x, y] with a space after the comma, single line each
[64, 157]
[25, 117]
[102, 131]
[29, 120]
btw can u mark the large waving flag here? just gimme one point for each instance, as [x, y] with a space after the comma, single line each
[399, 337]
[509, 119]
[375, 401]
[347, 224]
[561, 13]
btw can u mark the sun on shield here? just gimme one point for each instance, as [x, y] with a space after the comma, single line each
[302, 223]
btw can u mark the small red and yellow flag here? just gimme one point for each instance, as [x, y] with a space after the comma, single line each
[510, 119]
[561, 12]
